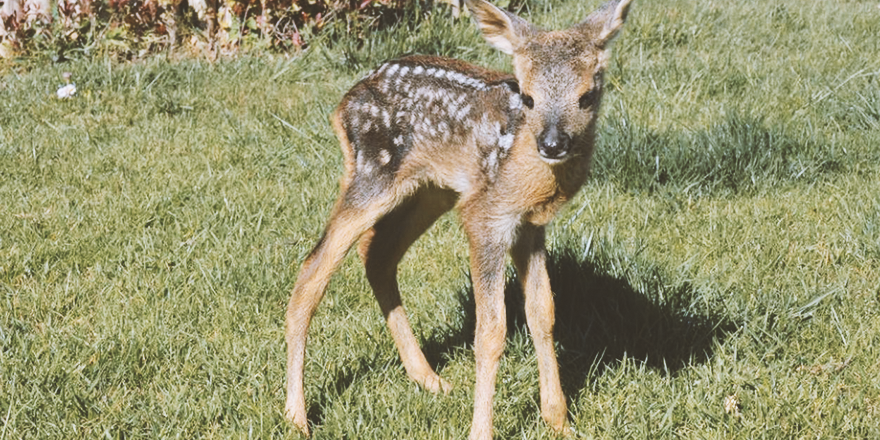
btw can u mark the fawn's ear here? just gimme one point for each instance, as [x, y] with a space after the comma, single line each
[609, 20]
[503, 30]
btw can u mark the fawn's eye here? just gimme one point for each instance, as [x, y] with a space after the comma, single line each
[589, 99]
[528, 101]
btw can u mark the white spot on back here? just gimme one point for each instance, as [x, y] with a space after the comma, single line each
[485, 133]
[515, 101]
[463, 112]
[443, 127]
[363, 165]
[355, 120]
[384, 157]
[419, 70]
[505, 141]
[492, 160]
[392, 70]
[452, 107]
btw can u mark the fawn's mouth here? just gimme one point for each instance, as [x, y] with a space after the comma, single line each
[553, 160]
[556, 160]
[555, 156]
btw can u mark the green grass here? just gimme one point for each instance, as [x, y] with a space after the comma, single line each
[727, 244]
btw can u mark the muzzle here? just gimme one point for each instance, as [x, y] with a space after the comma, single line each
[553, 145]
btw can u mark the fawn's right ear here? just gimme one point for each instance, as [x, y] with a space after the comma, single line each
[503, 30]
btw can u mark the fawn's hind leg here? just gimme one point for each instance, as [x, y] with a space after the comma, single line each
[381, 249]
[349, 221]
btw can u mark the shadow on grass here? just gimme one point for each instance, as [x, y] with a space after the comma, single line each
[602, 318]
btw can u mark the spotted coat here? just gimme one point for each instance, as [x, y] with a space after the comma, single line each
[456, 113]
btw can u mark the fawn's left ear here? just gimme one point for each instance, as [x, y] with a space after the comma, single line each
[609, 19]
[503, 30]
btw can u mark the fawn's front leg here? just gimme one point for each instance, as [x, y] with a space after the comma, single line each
[530, 258]
[488, 254]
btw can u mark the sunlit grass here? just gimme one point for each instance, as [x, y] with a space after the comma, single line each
[726, 248]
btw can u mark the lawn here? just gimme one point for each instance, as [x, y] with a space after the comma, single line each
[718, 276]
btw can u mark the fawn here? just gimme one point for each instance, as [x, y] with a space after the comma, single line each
[422, 135]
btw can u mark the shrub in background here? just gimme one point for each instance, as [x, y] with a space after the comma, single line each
[131, 28]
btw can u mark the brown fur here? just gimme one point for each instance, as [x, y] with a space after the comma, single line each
[423, 135]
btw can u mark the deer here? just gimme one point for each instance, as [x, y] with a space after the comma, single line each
[423, 135]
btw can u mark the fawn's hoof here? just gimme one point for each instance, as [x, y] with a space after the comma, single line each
[436, 384]
[563, 430]
[556, 418]
[298, 418]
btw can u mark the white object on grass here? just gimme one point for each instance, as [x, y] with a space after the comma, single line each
[66, 91]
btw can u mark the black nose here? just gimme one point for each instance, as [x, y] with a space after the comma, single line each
[553, 144]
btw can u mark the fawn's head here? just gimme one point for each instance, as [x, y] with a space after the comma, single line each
[559, 73]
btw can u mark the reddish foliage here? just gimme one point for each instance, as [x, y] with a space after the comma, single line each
[283, 21]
